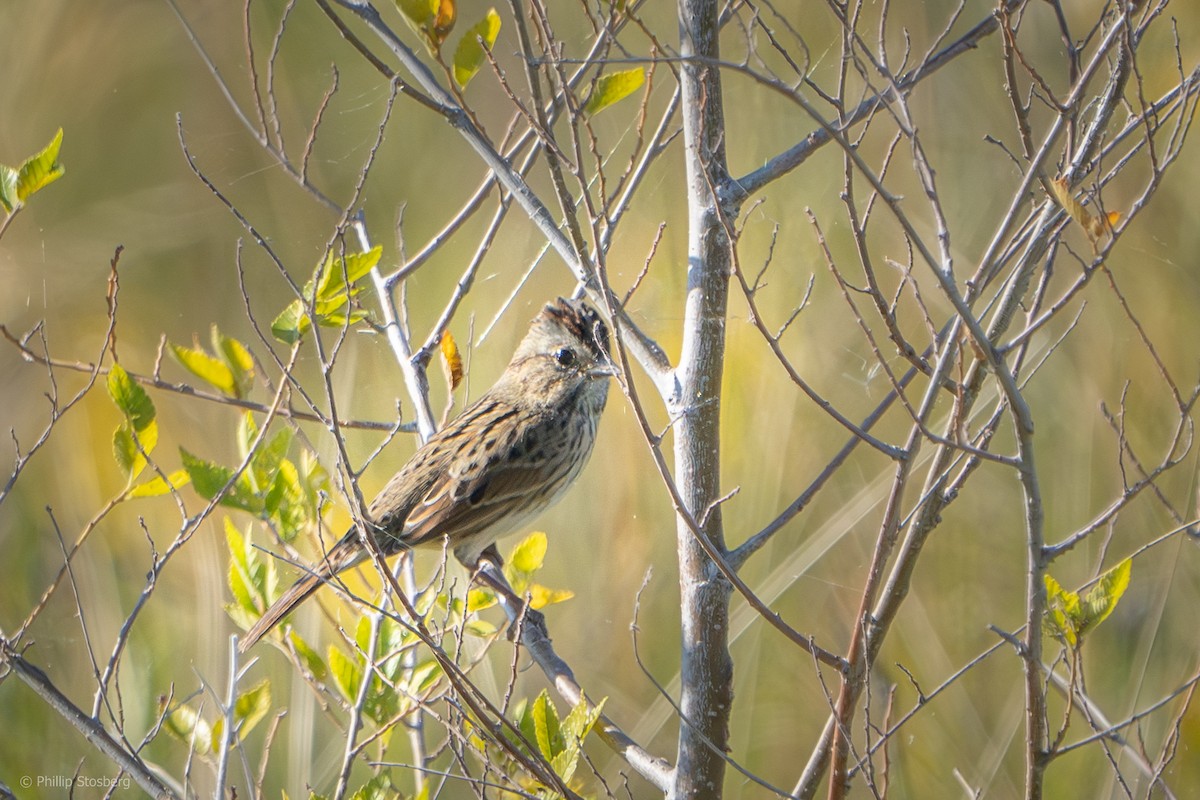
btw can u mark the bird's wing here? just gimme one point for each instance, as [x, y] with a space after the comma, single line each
[483, 485]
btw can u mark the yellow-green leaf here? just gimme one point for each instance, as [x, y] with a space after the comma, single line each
[1102, 598]
[346, 673]
[207, 478]
[212, 371]
[613, 88]
[237, 358]
[543, 719]
[575, 728]
[338, 272]
[38, 172]
[529, 553]
[8, 188]
[249, 708]
[418, 13]
[156, 486]
[126, 450]
[252, 705]
[479, 599]
[469, 55]
[186, 724]
[334, 282]
[541, 596]
[130, 398]
[291, 323]
[1062, 612]
[41, 170]
[312, 659]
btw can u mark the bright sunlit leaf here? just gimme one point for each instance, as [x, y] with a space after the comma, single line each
[335, 279]
[1103, 597]
[137, 436]
[130, 447]
[209, 369]
[542, 596]
[156, 486]
[1069, 617]
[529, 553]
[312, 659]
[469, 55]
[38, 172]
[575, 727]
[346, 673]
[130, 398]
[613, 88]
[237, 358]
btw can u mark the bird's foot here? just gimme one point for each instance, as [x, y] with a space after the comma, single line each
[528, 622]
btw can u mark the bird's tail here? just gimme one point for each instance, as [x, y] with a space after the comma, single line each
[345, 554]
[293, 597]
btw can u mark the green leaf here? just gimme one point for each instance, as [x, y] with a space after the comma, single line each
[286, 502]
[575, 728]
[209, 369]
[270, 456]
[312, 659]
[186, 724]
[469, 55]
[8, 188]
[130, 398]
[432, 19]
[252, 579]
[1062, 612]
[249, 708]
[334, 280]
[252, 705]
[338, 272]
[540, 725]
[291, 323]
[126, 452]
[613, 88]
[380, 787]
[479, 599]
[423, 677]
[540, 596]
[1102, 598]
[347, 675]
[156, 486]
[237, 358]
[418, 13]
[241, 583]
[40, 170]
[207, 478]
[529, 554]
[247, 432]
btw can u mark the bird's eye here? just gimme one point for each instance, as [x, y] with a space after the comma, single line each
[565, 357]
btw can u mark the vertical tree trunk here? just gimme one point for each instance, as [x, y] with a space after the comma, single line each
[707, 671]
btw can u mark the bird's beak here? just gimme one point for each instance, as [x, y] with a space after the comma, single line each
[604, 369]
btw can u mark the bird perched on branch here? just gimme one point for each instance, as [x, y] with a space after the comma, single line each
[500, 463]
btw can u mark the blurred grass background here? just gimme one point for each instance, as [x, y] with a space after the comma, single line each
[114, 74]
